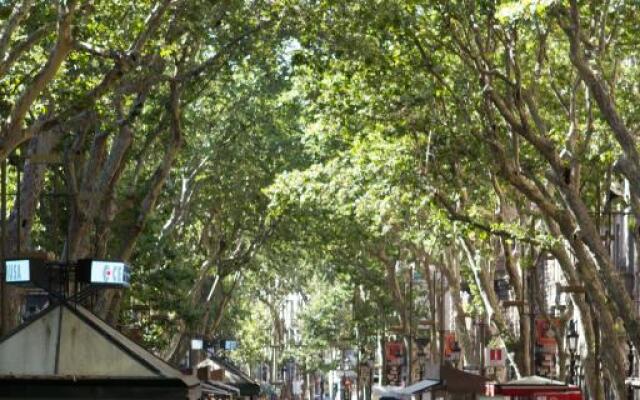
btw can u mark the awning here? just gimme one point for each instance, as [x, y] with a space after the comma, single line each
[233, 376]
[208, 389]
[420, 387]
[404, 393]
[633, 382]
[219, 389]
[381, 392]
[533, 385]
[248, 389]
[457, 381]
[574, 395]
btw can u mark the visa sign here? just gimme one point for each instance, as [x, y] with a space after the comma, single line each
[110, 273]
[17, 271]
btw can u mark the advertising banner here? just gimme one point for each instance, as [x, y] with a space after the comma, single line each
[394, 353]
[394, 359]
[449, 343]
[546, 347]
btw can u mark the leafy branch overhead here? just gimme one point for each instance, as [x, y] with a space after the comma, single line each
[240, 154]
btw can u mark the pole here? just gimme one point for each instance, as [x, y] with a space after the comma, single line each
[410, 355]
[343, 389]
[18, 208]
[3, 236]
[630, 372]
[441, 319]
[532, 319]
[596, 352]
[482, 345]
[370, 381]
[433, 342]
[572, 367]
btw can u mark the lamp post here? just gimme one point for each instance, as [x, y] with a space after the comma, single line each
[572, 342]
[455, 354]
[481, 325]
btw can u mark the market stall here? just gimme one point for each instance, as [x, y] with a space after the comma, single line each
[68, 352]
[462, 385]
[405, 393]
[221, 371]
[537, 388]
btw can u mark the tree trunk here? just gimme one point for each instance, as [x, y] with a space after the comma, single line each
[31, 187]
[452, 273]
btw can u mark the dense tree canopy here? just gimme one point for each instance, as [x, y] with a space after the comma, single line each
[236, 152]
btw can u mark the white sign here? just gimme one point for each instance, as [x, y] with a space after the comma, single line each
[109, 272]
[495, 357]
[297, 387]
[17, 271]
[196, 344]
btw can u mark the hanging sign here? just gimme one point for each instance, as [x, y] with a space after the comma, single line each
[394, 352]
[394, 358]
[100, 272]
[230, 344]
[17, 271]
[496, 357]
[546, 346]
[26, 271]
[449, 344]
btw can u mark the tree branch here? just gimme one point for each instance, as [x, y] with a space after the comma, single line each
[22, 47]
[19, 13]
[11, 133]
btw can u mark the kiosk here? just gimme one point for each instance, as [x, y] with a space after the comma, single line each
[66, 352]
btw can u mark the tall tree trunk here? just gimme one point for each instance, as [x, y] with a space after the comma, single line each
[454, 278]
[585, 266]
[31, 187]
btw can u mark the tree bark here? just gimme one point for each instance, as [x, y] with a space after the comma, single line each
[585, 266]
[31, 187]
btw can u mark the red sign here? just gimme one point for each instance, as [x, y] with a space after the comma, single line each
[495, 357]
[545, 336]
[394, 356]
[546, 346]
[449, 343]
[394, 353]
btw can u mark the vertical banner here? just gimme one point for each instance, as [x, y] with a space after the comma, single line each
[449, 343]
[546, 347]
[394, 359]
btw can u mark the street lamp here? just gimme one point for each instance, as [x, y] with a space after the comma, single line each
[455, 353]
[572, 342]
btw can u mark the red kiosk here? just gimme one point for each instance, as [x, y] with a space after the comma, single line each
[537, 388]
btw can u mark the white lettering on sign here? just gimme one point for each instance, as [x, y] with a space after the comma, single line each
[17, 271]
[109, 272]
